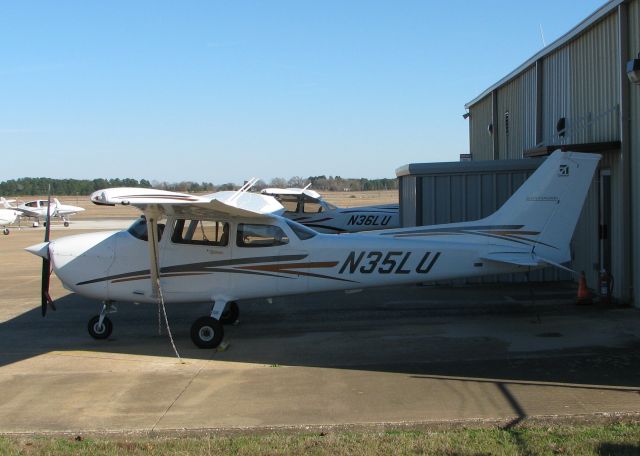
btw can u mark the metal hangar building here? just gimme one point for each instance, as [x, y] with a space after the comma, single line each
[579, 93]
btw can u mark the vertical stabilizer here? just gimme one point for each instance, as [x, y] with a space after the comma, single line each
[549, 203]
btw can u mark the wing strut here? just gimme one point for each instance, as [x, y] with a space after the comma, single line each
[152, 213]
[245, 188]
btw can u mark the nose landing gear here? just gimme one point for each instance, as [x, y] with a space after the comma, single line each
[100, 330]
[100, 326]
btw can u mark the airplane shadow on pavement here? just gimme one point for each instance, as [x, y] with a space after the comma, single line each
[466, 332]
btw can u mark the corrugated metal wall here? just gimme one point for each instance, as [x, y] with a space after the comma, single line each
[556, 89]
[585, 245]
[517, 115]
[460, 197]
[634, 95]
[594, 84]
[480, 139]
[408, 201]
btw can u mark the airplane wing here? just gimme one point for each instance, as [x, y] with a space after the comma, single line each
[523, 259]
[291, 191]
[26, 212]
[233, 204]
[155, 203]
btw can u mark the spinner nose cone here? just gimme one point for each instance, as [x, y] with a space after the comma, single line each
[41, 250]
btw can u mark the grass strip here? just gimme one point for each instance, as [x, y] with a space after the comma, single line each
[614, 439]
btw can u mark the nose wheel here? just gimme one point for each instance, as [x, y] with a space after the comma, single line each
[98, 329]
[100, 326]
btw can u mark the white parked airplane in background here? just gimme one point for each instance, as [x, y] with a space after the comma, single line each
[227, 246]
[307, 207]
[8, 215]
[37, 209]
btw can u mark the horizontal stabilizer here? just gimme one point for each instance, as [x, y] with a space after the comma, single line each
[525, 259]
[5, 203]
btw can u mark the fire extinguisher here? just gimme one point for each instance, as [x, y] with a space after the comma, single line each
[605, 285]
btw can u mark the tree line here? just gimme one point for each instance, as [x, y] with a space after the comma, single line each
[40, 185]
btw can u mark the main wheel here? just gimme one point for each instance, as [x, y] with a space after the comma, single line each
[207, 332]
[100, 332]
[66, 224]
[230, 314]
[5, 231]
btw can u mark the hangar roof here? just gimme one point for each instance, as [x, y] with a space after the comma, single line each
[600, 13]
[480, 166]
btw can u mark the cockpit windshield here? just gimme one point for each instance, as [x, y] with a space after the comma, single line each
[139, 229]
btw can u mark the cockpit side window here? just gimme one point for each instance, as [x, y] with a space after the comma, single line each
[250, 235]
[201, 232]
[139, 229]
[312, 206]
[290, 202]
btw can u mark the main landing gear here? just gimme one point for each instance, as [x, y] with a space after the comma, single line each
[6, 231]
[208, 332]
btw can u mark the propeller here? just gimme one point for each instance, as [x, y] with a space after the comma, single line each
[46, 300]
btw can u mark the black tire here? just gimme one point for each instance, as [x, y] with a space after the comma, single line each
[66, 224]
[230, 314]
[97, 332]
[6, 231]
[207, 332]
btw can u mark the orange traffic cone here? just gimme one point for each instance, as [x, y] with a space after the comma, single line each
[584, 295]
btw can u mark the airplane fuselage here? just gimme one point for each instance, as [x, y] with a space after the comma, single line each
[114, 266]
[349, 220]
[38, 209]
[7, 216]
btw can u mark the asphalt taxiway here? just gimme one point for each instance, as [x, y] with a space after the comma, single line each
[392, 356]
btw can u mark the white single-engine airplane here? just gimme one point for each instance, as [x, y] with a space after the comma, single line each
[8, 215]
[37, 209]
[305, 206]
[229, 246]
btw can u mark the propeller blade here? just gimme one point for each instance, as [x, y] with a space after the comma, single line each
[45, 300]
[47, 229]
[46, 274]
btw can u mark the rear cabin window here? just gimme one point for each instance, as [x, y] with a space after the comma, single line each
[201, 232]
[301, 231]
[250, 235]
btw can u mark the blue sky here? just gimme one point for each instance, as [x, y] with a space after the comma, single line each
[221, 91]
